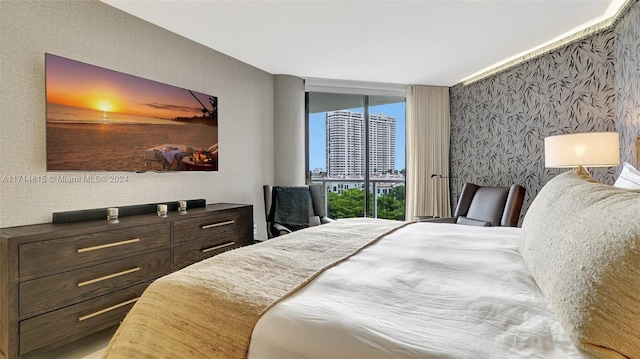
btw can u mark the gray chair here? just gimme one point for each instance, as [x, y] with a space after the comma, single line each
[291, 208]
[487, 206]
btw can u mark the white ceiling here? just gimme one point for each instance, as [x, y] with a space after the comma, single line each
[397, 42]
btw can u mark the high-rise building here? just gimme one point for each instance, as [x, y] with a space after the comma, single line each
[346, 143]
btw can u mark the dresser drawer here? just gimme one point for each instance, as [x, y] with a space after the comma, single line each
[62, 325]
[193, 252]
[45, 257]
[60, 290]
[215, 224]
[61, 282]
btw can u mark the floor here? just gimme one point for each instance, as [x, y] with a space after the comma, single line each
[89, 347]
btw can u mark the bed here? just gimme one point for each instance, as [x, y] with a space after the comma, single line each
[564, 286]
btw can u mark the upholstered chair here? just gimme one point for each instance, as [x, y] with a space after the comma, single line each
[291, 208]
[487, 206]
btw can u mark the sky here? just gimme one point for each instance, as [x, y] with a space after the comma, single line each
[74, 83]
[317, 134]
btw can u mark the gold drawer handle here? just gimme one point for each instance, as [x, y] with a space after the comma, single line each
[108, 245]
[217, 224]
[102, 311]
[100, 279]
[218, 247]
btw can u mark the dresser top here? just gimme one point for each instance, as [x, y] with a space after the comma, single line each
[44, 230]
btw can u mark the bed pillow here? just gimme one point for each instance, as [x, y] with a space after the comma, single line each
[581, 241]
[629, 177]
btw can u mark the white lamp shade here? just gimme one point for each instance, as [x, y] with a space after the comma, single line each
[590, 149]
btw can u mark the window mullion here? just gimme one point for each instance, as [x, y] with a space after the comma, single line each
[365, 105]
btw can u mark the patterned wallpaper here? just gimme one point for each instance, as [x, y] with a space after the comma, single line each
[627, 84]
[498, 124]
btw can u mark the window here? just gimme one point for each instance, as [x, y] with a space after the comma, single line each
[356, 142]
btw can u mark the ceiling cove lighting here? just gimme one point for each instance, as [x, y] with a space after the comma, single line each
[615, 9]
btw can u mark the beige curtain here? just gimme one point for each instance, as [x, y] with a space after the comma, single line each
[428, 137]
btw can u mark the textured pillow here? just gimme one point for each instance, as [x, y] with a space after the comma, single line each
[581, 241]
[629, 177]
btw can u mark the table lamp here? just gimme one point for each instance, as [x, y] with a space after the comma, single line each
[589, 149]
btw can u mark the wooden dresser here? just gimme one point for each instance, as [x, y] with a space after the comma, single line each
[61, 282]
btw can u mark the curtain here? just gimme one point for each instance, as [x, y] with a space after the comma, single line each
[428, 138]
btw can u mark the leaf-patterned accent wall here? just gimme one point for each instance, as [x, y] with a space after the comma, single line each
[498, 124]
[627, 82]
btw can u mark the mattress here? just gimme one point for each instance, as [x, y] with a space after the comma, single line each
[427, 290]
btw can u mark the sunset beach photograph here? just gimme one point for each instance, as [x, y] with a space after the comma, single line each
[104, 120]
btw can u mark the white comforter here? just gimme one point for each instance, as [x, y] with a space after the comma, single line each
[426, 291]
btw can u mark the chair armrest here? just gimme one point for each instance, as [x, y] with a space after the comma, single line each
[277, 229]
[324, 220]
[438, 220]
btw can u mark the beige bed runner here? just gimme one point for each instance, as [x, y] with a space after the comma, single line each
[208, 310]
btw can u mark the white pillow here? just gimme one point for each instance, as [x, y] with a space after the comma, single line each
[629, 177]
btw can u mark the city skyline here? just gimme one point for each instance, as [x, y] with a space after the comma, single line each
[346, 143]
[317, 134]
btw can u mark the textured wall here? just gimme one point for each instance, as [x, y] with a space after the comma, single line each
[498, 124]
[98, 34]
[627, 84]
[289, 140]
